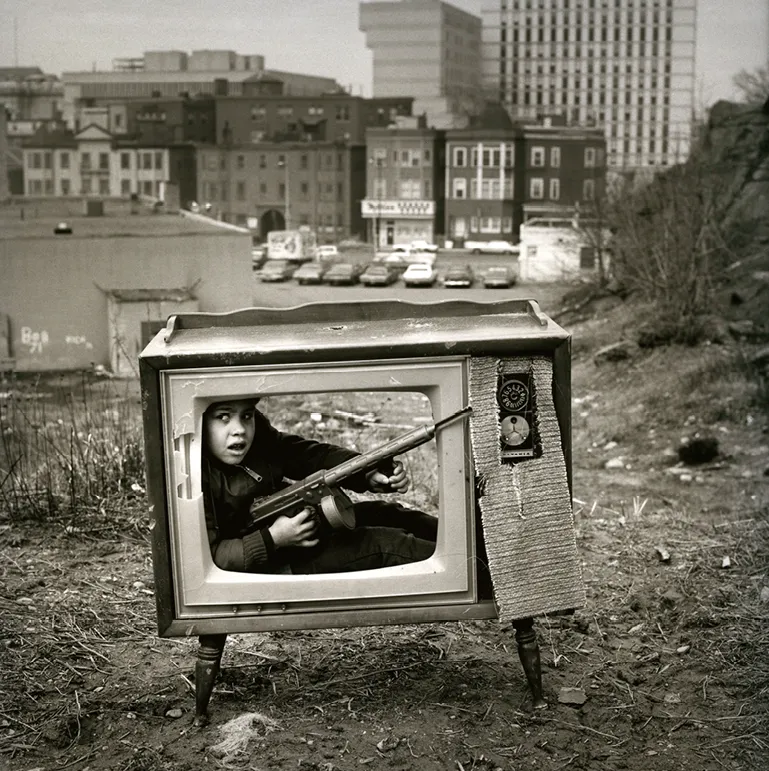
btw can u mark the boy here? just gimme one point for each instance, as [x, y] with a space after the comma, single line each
[245, 457]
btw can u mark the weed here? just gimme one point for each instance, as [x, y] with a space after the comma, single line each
[67, 446]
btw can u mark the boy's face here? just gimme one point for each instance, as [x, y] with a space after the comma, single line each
[228, 428]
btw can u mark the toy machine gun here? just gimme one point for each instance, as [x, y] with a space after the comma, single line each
[320, 489]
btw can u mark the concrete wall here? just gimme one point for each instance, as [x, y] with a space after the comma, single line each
[54, 289]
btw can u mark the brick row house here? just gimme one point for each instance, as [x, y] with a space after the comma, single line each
[404, 185]
[500, 177]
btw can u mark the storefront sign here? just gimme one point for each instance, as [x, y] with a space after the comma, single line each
[414, 209]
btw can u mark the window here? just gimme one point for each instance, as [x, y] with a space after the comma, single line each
[304, 190]
[258, 112]
[537, 156]
[342, 112]
[380, 188]
[48, 186]
[103, 186]
[125, 160]
[125, 187]
[410, 188]
[491, 224]
[147, 188]
[85, 162]
[303, 161]
[460, 156]
[64, 160]
[147, 162]
[285, 111]
[263, 188]
[589, 157]
[262, 161]
[555, 157]
[537, 187]
[555, 189]
[459, 187]
[47, 160]
[103, 161]
[65, 187]
[240, 190]
[240, 161]
[588, 190]
[85, 186]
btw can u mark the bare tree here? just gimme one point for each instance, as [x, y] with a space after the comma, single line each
[753, 86]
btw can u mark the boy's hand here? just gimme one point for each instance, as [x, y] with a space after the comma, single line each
[397, 482]
[299, 530]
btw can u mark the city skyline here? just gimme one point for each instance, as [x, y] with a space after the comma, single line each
[41, 34]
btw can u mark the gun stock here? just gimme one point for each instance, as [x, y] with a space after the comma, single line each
[314, 488]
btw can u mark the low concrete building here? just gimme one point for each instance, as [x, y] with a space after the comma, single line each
[88, 298]
[556, 249]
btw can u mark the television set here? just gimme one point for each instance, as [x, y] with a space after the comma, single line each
[497, 478]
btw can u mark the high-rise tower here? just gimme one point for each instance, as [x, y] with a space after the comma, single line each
[626, 65]
[427, 49]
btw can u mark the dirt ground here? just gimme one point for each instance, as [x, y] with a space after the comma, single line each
[671, 651]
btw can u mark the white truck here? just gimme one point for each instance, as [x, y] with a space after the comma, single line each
[292, 245]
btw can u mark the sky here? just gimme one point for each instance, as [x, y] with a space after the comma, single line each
[318, 37]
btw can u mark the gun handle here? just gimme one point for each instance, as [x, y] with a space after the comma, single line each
[386, 466]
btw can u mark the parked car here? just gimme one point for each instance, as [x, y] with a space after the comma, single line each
[500, 277]
[461, 276]
[326, 252]
[419, 274]
[491, 247]
[379, 274]
[277, 270]
[394, 260]
[258, 257]
[343, 273]
[310, 273]
[423, 246]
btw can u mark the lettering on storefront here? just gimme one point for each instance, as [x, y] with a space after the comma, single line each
[412, 209]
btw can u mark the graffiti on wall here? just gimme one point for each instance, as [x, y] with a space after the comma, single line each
[34, 340]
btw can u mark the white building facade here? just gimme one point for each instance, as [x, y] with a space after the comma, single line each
[89, 165]
[625, 65]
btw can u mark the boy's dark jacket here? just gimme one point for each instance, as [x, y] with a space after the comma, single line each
[229, 491]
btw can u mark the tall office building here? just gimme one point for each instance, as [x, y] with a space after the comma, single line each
[626, 65]
[427, 49]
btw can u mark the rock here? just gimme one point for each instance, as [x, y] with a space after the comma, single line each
[764, 594]
[388, 743]
[174, 713]
[574, 696]
[740, 328]
[698, 449]
[614, 463]
[619, 351]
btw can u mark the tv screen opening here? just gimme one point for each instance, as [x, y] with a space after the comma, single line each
[359, 405]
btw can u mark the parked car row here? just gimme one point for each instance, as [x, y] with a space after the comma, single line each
[385, 272]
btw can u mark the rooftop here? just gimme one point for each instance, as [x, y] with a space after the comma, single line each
[41, 217]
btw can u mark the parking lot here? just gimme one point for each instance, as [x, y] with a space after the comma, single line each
[288, 293]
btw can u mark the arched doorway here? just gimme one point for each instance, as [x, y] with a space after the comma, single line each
[271, 220]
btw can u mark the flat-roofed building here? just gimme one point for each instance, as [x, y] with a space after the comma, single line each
[85, 298]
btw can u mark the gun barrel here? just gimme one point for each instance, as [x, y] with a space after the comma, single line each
[310, 489]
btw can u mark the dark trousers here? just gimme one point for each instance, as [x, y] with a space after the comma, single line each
[386, 534]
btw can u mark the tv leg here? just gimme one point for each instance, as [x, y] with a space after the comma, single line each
[206, 669]
[528, 652]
